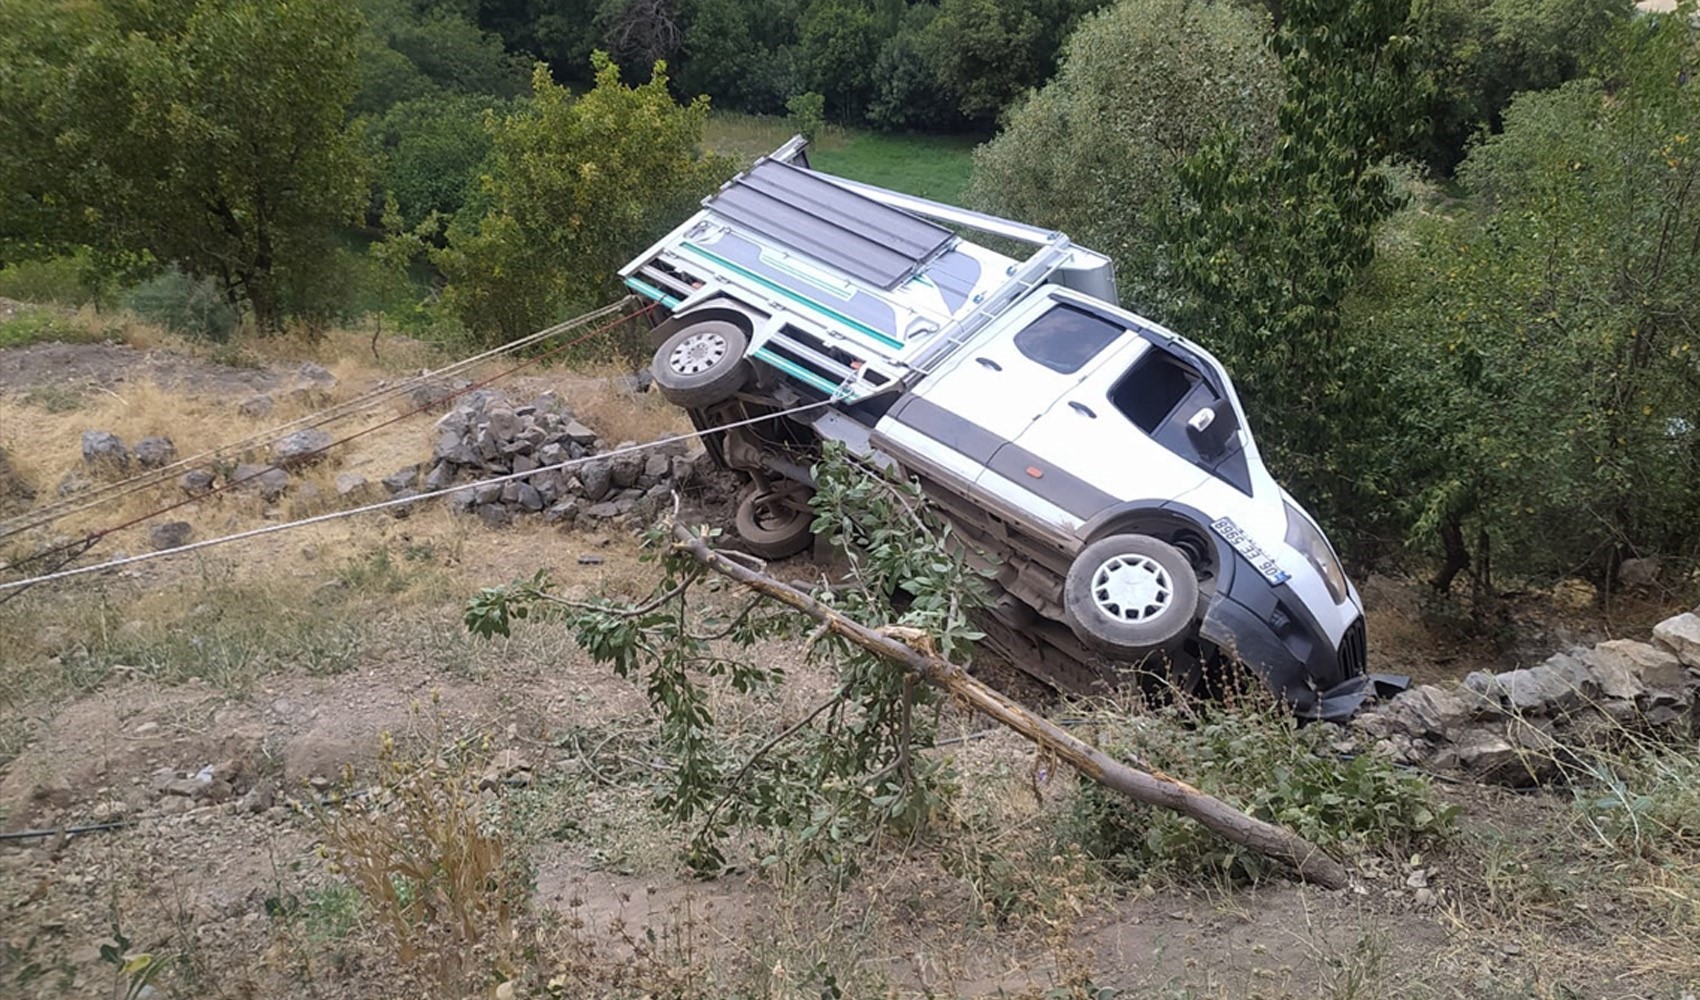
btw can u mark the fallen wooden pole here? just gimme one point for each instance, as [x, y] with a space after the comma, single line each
[1150, 787]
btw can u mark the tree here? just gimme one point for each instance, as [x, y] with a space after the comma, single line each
[838, 42]
[908, 91]
[741, 53]
[989, 52]
[210, 135]
[1269, 242]
[1096, 152]
[1547, 338]
[1480, 54]
[428, 153]
[573, 188]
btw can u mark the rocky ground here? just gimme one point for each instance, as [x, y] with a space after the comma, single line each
[212, 715]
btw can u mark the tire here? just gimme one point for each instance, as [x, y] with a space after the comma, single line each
[1128, 596]
[770, 527]
[702, 364]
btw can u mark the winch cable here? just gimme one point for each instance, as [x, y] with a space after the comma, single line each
[89, 539]
[18, 586]
[153, 477]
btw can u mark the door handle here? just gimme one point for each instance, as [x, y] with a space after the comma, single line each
[1082, 409]
[989, 363]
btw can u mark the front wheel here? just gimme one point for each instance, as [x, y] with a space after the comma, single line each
[1130, 595]
[702, 364]
[774, 524]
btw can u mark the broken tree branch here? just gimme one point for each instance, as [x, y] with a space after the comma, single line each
[1150, 787]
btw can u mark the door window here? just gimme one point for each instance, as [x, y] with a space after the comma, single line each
[1152, 390]
[1065, 338]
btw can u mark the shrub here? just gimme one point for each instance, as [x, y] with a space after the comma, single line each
[1262, 761]
[66, 281]
[193, 307]
[808, 114]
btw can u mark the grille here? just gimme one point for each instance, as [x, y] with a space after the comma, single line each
[1354, 649]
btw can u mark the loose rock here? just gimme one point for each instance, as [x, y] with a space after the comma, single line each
[170, 535]
[304, 447]
[155, 452]
[104, 450]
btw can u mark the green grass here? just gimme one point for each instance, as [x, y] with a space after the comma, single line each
[931, 166]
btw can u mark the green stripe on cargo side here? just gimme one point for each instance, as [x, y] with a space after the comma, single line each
[795, 370]
[781, 289]
[653, 292]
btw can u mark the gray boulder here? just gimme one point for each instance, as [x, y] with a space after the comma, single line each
[566, 510]
[350, 484]
[452, 446]
[597, 479]
[603, 511]
[655, 469]
[625, 470]
[195, 482]
[316, 374]
[270, 483]
[495, 515]
[256, 407]
[1638, 573]
[528, 498]
[104, 450]
[401, 479]
[440, 477]
[170, 535]
[578, 434]
[1681, 635]
[304, 447]
[1628, 671]
[155, 452]
[503, 423]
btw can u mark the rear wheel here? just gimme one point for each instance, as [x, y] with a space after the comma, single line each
[1130, 595]
[774, 524]
[702, 364]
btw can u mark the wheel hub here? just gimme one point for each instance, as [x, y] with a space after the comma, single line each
[698, 353]
[1132, 588]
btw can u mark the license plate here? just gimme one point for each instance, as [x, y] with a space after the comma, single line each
[1242, 543]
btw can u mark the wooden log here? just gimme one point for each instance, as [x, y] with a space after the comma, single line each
[1148, 786]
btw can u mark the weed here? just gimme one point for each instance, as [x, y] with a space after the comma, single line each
[373, 573]
[1261, 760]
[430, 863]
[327, 914]
[36, 326]
[54, 398]
[1644, 801]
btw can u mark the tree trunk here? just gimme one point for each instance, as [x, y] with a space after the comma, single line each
[1457, 556]
[1149, 786]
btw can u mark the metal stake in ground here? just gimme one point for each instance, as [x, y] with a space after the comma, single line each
[1151, 787]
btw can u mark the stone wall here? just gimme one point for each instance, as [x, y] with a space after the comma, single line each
[1522, 727]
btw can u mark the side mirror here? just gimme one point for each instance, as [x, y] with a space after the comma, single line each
[1212, 428]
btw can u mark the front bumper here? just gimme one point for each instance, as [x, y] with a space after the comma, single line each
[1268, 629]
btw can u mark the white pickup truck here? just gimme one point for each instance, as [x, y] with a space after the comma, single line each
[1100, 462]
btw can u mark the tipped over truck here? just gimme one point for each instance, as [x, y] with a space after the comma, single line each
[1100, 464]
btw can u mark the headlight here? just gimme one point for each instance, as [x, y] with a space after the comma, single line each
[1302, 535]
